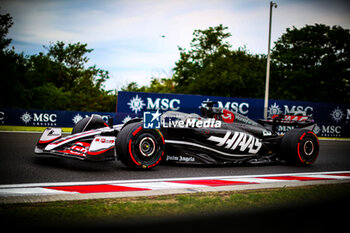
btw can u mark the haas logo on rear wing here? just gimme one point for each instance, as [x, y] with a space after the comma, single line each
[239, 141]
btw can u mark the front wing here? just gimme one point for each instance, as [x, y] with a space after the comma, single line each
[89, 145]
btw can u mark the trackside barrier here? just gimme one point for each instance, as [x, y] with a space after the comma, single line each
[333, 120]
[46, 118]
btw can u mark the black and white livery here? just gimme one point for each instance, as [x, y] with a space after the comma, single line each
[218, 136]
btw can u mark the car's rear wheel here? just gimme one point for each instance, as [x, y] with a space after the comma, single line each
[300, 147]
[138, 147]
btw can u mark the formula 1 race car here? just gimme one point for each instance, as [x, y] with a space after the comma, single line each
[218, 136]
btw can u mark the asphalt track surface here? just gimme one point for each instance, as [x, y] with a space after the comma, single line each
[19, 164]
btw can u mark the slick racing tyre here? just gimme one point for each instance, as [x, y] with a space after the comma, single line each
[138, 147]
[300, 147]
[88, 123]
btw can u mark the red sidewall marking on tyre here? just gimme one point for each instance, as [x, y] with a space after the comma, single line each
[131, 155]
[137, 130]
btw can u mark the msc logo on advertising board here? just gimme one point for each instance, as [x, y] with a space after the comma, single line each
[239, 107]
[275, 109]
[137, 104]
[39, 119]
[79, 116]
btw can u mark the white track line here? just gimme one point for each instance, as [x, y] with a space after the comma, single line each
[44, 192]
[151, 181]
[124, 182]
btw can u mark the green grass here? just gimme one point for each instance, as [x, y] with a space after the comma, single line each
[129, 209]
[29, 128]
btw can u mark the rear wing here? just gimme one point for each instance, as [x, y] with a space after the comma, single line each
[291, 118]
[296, 121]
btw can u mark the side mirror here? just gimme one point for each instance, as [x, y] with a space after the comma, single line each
[110, 122]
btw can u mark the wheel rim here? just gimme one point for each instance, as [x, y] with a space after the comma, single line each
[309, 147]
[147, 146]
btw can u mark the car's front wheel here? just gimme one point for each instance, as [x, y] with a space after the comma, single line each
[138, 147]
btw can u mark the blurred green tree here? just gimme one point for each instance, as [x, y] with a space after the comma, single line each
[312, 64]
[57, 80]
[210, 67]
